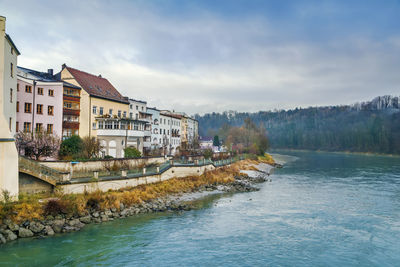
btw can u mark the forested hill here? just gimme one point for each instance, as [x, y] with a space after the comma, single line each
[372, 126]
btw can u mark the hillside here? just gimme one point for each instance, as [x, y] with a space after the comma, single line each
[372, 126]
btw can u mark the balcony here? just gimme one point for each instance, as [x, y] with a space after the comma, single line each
[147, 133]
[119, 132]
[74, 112]
[71, 98]
[147, 144]
[70, 125]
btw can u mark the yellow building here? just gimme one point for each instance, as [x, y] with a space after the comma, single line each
[103, 111]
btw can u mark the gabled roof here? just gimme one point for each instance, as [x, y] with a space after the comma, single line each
[37, 75]
[97, 86]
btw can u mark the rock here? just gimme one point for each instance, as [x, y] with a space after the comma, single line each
[97, 220]
[9, 235]
[76, 223]
[58, 225]
[124, 212]
[48, 230]
[23, 232]
[96, 214]
[13, 226]
[121, 206]
[85, 219]
[68, 229]
[36, 227]
[108, 213]
[113, 209]
[2, 239]
[59, 217]
[104, 218]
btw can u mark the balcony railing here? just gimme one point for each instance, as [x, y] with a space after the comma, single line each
[119, 132]
[70, 125]
[68, 111]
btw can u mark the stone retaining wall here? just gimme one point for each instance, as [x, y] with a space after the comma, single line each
[67, 166]
[173, 172]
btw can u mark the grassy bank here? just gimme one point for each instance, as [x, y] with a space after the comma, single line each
[40, 206]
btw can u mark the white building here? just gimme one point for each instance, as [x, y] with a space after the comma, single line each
[8, 86]
[156, 136]
[138, 112]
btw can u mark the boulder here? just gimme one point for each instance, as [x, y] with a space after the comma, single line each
[104, 218]
[2, 239]
[76, 223]
[68, 229]
[108, 213]
[121, 206]
[9, 235]
[23, 232]
[48, 230]
[85, 219]
[36, 227]
[95, 214]
[58, 225]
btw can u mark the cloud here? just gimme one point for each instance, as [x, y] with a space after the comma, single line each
[201, 60]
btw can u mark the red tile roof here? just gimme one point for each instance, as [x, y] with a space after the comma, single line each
[97, 86]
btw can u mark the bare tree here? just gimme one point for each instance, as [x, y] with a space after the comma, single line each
[91, 147]
[37, 145]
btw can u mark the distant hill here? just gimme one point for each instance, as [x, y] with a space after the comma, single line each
[372, 126]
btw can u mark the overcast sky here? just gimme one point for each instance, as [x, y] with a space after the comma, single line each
[204, 56]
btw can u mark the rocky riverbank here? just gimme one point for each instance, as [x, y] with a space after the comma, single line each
[63, 223]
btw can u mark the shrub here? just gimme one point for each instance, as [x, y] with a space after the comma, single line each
[71, 147]
[131, 152]
[54, 207]
[208, 153]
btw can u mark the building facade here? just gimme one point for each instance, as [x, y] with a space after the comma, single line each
[39, 104]
[8, 81]
[156, 136]
[138, 112]
[71, 110]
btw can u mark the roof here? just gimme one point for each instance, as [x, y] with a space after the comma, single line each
[153, 109]
[171, 115]
[205, 139]
[12, 44]
[138, 101]
[97, 86]
[70, 85]
[38, 75]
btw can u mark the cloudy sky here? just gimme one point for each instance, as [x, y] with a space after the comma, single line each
[204, 56]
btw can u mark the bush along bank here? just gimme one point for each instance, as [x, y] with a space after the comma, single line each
[39, 216]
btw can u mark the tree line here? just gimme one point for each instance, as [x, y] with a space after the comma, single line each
[334, 128]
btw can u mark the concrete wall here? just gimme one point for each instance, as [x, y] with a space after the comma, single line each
[8, 151]
[66, 166]
[173, 172]
[10, 83]
[31, 185]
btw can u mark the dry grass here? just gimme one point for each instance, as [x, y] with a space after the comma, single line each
[31, 207]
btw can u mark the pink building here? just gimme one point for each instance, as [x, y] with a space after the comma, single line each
[39, 102]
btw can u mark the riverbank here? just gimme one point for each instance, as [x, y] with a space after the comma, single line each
[336, 152]
[41, 215]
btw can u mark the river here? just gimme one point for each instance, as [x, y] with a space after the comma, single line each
[321, 209]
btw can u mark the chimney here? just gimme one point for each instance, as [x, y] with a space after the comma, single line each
[63, 66]
[50, 72]
[100, 76]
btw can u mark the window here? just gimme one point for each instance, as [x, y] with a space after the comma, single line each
[39, 109]
[12, 51]
[17, 106]
[124, 114]
[17, 127]
[116, 125]
[12, 69]
[137, 107]
[9, 124]
[67, 104]
[142, 108]
[50, 128]
[28, 88]
[101, 125]
[94, 126]
[136, 116]
[101, 111]
[94, 110]
[11, 95]
[39, 127]
[110, 111]
[28, 107]
[108, 125]
[50, 110]
[131, 106]
[131, 115]
[40, 91]
[17, 87]
[119, 113]
[27, 127]
[51, 92]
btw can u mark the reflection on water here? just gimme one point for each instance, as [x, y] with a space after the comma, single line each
[321, 209]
